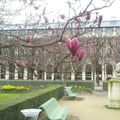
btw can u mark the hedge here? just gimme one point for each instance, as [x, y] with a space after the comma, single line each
[11, 109]
[105, 86]
[32, 83]
[87, 84]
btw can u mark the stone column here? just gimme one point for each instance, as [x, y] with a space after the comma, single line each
[16, 74]
[83, 73]
[113, 74]
[35, 75]
[52, 76]
[95, 76]
[73, 76]
[114, 93]
[103, 72]
[92, 74]
[45, 76]
[104, 76]
[7, 74]
[25, 74]
[62, 76]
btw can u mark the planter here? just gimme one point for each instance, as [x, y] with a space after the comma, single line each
[114, 93]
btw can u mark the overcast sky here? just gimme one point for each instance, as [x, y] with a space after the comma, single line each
[112, 12]
[55, 7]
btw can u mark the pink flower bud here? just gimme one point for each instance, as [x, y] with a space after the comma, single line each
[27, 38]
[73, 45]
[88, 15]
[77, 20]
[100, 20]
[79, 54]
[62, 16]
[46, 19]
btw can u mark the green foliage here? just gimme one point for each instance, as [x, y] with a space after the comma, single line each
[12, 88]
[82, 89]
[87, 84]
[105, 86]
[40, 92]
[10, 110]
[37, 83]
[6, 96]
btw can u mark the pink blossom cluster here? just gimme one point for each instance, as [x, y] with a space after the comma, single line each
[75, 49]
[23, 63]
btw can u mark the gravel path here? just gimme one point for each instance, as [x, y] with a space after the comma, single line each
[90, 107]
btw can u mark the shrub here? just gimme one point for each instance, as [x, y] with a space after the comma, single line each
[11, 88]
[10, 110]
[77, 88]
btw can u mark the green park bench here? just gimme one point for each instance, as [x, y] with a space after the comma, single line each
[53, 110]
[70, 93]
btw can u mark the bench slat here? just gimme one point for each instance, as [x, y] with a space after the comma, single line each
[59, 115]
[70, 93]
[54, 111]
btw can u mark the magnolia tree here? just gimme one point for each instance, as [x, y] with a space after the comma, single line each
[34, 44]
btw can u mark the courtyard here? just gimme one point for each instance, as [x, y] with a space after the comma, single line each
[91, 107]
[88, 107]
[48, 45]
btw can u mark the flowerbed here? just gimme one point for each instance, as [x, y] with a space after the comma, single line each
[12, 88]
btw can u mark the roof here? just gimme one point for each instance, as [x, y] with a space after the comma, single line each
[104, 24]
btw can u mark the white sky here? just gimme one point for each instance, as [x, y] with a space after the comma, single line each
[112, 12]
[55, 7]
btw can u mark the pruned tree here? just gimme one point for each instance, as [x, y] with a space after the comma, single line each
[27, 45]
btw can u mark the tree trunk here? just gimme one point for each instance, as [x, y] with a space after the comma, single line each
[30, 73]
[39, 74]
[20, 73]
[97, 74]
[3, 71]
[11, 71]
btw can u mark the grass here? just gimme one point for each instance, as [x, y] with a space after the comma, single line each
[9, 99]
[7, 96]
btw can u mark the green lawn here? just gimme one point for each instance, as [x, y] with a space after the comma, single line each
[7, 96]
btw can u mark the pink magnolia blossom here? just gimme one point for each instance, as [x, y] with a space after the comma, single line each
[79, 54]
[73, 45]
[1, 62]
[68, 42]
[88, 15]
[62, 16]
[75, 49]
[46, 19]
[78, 20]
[23, 63]
[27, 38]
